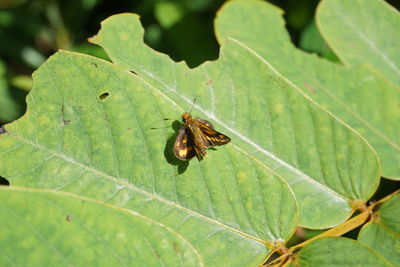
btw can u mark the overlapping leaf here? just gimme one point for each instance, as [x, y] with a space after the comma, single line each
[357, 95]
[363, 31]
[71, 230]
[328, 165]
[340, 251]
[382, 234]
[88, 131]
[368, 32]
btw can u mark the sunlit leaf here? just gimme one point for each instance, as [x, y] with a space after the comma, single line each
[358, 95]
[363, 31]
[338, 252]
[44, 228]
[88, 131]
[323, 81]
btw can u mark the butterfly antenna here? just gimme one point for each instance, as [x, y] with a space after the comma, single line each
[194, 101]
[157, 128]
[165, 119]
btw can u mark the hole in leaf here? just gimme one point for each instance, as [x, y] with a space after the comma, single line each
[4, 181]
[2, 130]
[66, 122]
[104, 96]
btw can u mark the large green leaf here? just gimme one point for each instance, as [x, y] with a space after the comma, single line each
[328, 165]
[348, 92]
[363, 31]
[44, 228]
[87, 131]
[332, 251]
[357, 95]
[383, 233]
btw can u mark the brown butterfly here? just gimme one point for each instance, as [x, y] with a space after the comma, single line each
[195, 136]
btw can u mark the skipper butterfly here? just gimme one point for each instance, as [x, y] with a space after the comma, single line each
[195, 136]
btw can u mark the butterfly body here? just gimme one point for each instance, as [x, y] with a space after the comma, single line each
[195, 136]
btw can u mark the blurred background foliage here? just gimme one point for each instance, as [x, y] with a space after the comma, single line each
[32, 30]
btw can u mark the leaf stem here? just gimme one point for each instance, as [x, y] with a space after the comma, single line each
[356, 221]
[349, 225]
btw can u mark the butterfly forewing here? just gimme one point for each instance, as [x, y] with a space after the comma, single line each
[207, 123]
[213, 137]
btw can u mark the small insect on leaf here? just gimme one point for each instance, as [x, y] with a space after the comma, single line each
[195, 136]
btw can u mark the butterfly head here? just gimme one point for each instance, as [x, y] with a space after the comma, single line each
[186, 117]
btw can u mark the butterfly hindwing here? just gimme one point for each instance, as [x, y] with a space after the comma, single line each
[184, 147]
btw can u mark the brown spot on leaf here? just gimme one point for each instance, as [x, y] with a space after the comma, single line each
[176, 247]
[157, 254]
[310, 87]
[68, 218]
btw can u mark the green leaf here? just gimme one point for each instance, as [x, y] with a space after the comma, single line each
[333, 251]
[383, 233]
[11, 99]
[323, 80]
[265, 114]
[363, 31]
[88, 131]
[348, 92]
[45, 228]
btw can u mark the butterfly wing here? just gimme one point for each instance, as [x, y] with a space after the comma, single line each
[205, 122]
[184, 147]
[213, 138]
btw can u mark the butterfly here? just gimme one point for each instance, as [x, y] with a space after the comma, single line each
[195, 136]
